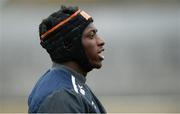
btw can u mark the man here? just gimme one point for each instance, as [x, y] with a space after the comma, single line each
[71, 40]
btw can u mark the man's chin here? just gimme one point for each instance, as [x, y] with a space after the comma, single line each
[98, 66]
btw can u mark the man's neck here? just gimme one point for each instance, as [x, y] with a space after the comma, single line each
[76, 67]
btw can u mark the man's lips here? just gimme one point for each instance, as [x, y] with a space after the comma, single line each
[100, 54]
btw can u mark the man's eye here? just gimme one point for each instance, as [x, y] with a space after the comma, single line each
[92, 34]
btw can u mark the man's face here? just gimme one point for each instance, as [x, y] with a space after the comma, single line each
[93, 46]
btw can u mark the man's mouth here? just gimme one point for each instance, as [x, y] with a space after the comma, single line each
[101, 56]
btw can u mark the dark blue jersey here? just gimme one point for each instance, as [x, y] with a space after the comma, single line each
[62, 90]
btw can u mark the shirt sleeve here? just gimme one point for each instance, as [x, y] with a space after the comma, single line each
[63, 101]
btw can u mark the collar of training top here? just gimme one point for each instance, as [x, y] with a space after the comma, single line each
[77, 75]
[79, 13]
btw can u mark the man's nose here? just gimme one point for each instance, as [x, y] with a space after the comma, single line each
[101, 41]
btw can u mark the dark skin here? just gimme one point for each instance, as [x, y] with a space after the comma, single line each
[93, 46]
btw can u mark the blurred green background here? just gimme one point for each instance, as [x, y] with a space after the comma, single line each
[141, 71]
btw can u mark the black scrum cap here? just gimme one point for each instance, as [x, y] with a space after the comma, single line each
[61, 34]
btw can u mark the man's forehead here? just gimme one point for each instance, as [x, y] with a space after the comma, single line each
[90, 27]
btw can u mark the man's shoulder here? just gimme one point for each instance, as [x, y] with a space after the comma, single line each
[53, 80]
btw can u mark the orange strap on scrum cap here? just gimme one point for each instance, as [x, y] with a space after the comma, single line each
[82, 13]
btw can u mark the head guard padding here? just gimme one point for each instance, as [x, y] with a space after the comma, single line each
[61, 36]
